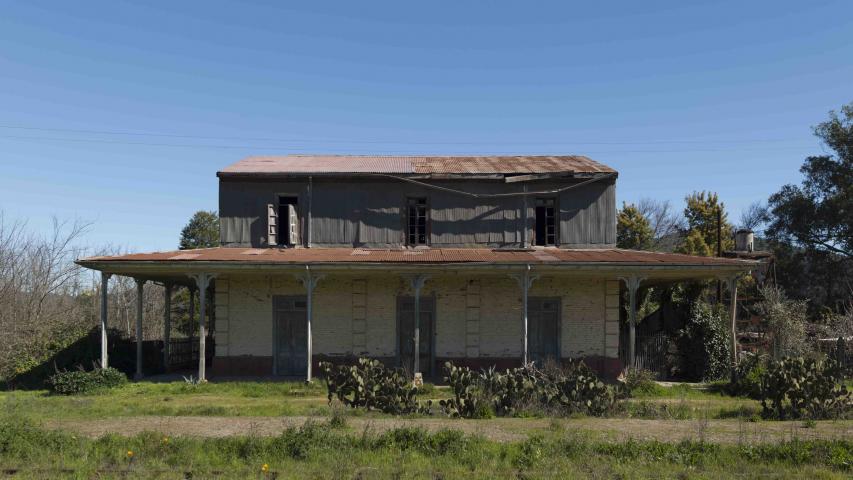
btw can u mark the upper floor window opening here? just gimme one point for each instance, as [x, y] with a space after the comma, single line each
[417, 221]
[287, 231]
[546, 233]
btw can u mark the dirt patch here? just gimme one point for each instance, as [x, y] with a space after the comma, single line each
[502, 429]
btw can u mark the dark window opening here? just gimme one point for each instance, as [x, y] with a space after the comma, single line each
[417, 218]
[288, 230]
[546, 222]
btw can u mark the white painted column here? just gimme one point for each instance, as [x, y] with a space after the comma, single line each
[140, 290]
[202, 281]
[632, 283]
[309, 281]
[525, 281]
[167, 324]
[191, 313]
[417, 283]
[105, 281]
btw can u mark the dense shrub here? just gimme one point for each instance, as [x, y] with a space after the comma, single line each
[804, 388]
[80, 381]
[517, 391]
[746, 377]
[369, 384]
[640, 381]
[703, 344]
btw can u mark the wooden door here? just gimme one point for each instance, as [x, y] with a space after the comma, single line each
[406, 333]
[543, 322]
[290, 336]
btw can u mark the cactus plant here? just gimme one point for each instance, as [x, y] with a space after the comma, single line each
[370, 385]
[800, 387]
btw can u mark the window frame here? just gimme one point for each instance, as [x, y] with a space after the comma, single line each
[556, 222]
[282, 236]
[411, 201]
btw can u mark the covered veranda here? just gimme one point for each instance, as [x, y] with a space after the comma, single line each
[198, 269]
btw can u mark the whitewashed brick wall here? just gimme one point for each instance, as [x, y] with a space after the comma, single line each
[475, 315]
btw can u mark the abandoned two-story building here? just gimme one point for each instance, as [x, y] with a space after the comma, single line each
[414, 261]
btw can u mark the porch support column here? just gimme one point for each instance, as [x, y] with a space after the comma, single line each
[525, 281]
[202, 281]
[309, 281]
[191, 313]
[167, 323]
[105, 281]
[732, 284]
[140, 290]
[632, 283]
[417, 283]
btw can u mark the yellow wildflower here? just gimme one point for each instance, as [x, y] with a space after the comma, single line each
[265, 468]
[130, 454]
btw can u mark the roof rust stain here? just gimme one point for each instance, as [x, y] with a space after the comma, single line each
[425, 256]
[302, 164]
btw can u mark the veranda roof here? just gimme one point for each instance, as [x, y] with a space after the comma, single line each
[229, 259]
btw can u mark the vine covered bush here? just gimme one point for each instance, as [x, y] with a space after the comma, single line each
[804, 388]
[704, 345]
[371, 385]
[76, 382]
[516, 391]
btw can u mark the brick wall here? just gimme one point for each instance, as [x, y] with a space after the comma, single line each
[476, 316]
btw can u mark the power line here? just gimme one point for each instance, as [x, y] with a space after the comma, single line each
[392, 142]
[390, 151]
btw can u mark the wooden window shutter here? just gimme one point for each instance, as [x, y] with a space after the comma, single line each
[293, 222]
[272, 225]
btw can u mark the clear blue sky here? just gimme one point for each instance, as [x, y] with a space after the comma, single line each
[678, 96]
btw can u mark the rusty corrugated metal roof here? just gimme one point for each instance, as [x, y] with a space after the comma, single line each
[422, 256]
[320, 164]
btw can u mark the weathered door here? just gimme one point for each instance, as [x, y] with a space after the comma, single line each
[290, 335]
[406, 333]
[543, 334]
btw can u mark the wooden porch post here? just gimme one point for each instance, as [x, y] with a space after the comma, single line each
[732, 283]
[140, 290]
[633, 284]
[417, 283]
[525, 281]
[309, 281]
[105, 281]
[191, 313]
[202, 281]
[167, 324]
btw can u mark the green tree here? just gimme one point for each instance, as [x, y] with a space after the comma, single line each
[701, 216]
[633, 229]
[202, 231]
[818, 214]
[811, 225]
[694, 244]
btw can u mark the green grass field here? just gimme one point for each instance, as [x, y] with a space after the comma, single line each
[230, 430]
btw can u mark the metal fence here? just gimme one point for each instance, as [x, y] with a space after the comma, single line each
[183, 352]
[650, 353]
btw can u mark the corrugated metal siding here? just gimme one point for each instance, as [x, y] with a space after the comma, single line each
[371, 213]
[588, 215]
